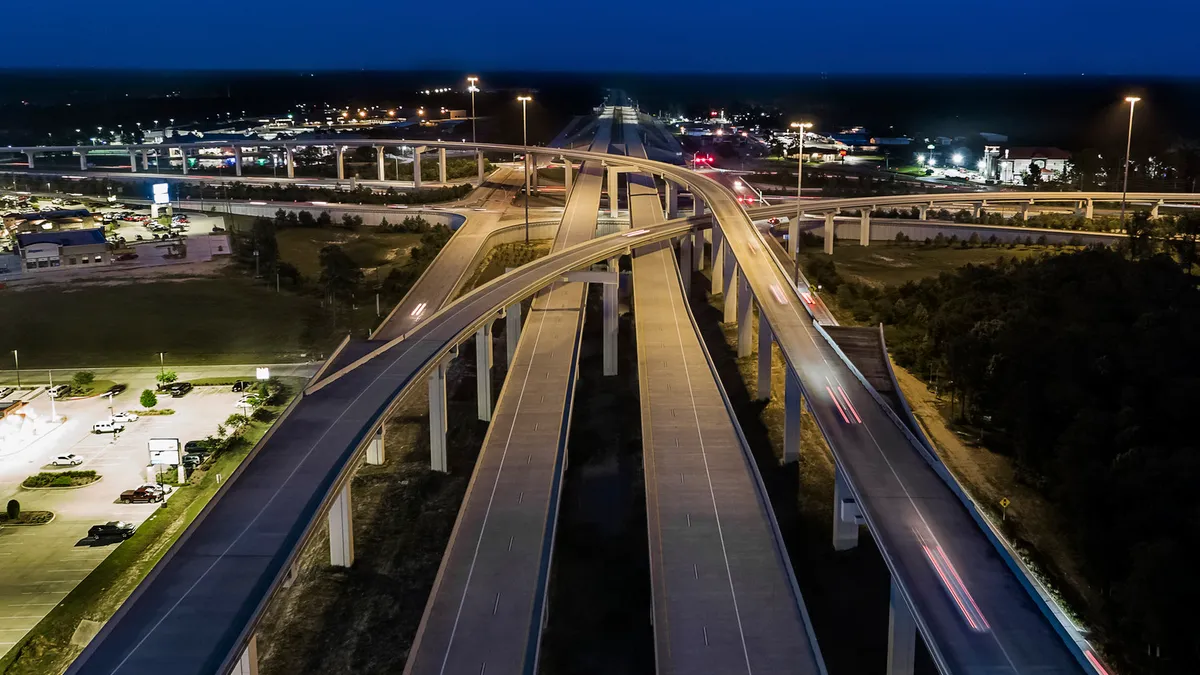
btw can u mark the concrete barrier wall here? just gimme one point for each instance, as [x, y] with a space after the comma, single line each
[886, 229]
[371, 215]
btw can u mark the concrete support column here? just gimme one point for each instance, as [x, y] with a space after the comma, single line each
[183, 156]
[846, 514]
[1023, 214]
[417, 168]
[1154, 209]
[82, 159]
[977, 211]
[610, 323]
[765, 340]
[685, 263]
[902, 635]
[672, 201]
[483, 371]
[146, 160]
[237, 160]
[1088, 211]
[793, 237]
[341, 529]
[568, 177]
[729, 278]
[442, 165]
[512, 329]
[613, 190]
[533, 174]
[745, 316]
[793, 404]
[375, 451]
[380, 175]
[437, 418]
[718, 260]
[864, 228]
[923, 212]
[829, 232]
[291, 161]
[29, 160]
[341, 162]
[133, 160]
[698, 203]
[247, 663]
[698, 251]
[480, 165]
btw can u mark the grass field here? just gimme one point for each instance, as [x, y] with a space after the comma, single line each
[47, 648]
[889, 264]
[368, 248]
[196, 321]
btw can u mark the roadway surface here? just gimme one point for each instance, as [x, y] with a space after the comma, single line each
[486, 609]
[199, 605]
[724, 598]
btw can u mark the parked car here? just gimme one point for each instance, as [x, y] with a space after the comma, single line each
[140, 495]
[196, 448]
[127, 416]
[116, 529]
[125, 256]
[192, 461]
[5, 392]
[116, 389]
[162, 489]
[107, 427]
[179, 389]
[242, 385]
[59, 390]
[71, 459]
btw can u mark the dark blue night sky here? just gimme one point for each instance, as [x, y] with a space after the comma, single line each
[1095, 37]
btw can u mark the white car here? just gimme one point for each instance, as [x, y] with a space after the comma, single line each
[247, 401]
[107, 427]
[67, 460]
[163, 489]
[127, 416]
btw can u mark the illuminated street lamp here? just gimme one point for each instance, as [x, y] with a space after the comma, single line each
[931, 147]
[472, 88]
[957, 159]
[1132, 101]
[794, 232]
[525, 142]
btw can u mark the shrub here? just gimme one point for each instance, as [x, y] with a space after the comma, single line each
[14, 509]
[148, 399]
[167, 377]
[60, 479]
[83, 379]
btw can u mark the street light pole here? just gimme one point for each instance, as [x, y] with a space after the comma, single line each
[794, 232]
[162, 364]
[1132, 101]
[17, 363]
[525, 143]
[472, 89]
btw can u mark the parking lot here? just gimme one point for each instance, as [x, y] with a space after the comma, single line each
[43, 563]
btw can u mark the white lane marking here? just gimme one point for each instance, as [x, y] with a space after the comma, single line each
[708, 474]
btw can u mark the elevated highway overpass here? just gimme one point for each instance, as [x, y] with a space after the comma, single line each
[200, 605]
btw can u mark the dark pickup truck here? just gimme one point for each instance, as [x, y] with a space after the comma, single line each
[139, 495]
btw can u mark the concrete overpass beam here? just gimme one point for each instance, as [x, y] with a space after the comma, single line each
[793, 405]
[379, 164]
[480, 165]
[341, 529]
[846, 514]
[610, 323]
[375, 451]
[672, 201]
[829, 232]
[902, 635]
[613, 191]
[685, 263]
[729, 279]
[417, 167]
[29, 159]
[442, 165]
[237, 160]
[247, 663]
[765, 340]
[437, 418]
[483, 371]
[864, 228]
[291, 161]
[512, 329]
[745, 316]
[718, 260]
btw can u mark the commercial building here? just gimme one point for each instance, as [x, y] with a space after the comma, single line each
[38, 221]
[44, 251]
[1016, 162]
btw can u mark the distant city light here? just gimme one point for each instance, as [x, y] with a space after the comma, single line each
[957, 158]
[920, 159]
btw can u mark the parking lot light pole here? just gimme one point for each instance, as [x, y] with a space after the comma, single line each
[17, 363]
[525, 142]
[795, 245]
[1132, 101]
[162, 365]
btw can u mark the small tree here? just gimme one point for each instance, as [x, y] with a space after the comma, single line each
[167, 377]
[148, 400]
[14, 509]
[82, 380]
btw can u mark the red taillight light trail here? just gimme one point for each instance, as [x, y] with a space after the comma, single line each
[957, 589]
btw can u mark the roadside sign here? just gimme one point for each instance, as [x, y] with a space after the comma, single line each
[164, 450]
[1004, 502]
[262, 373]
